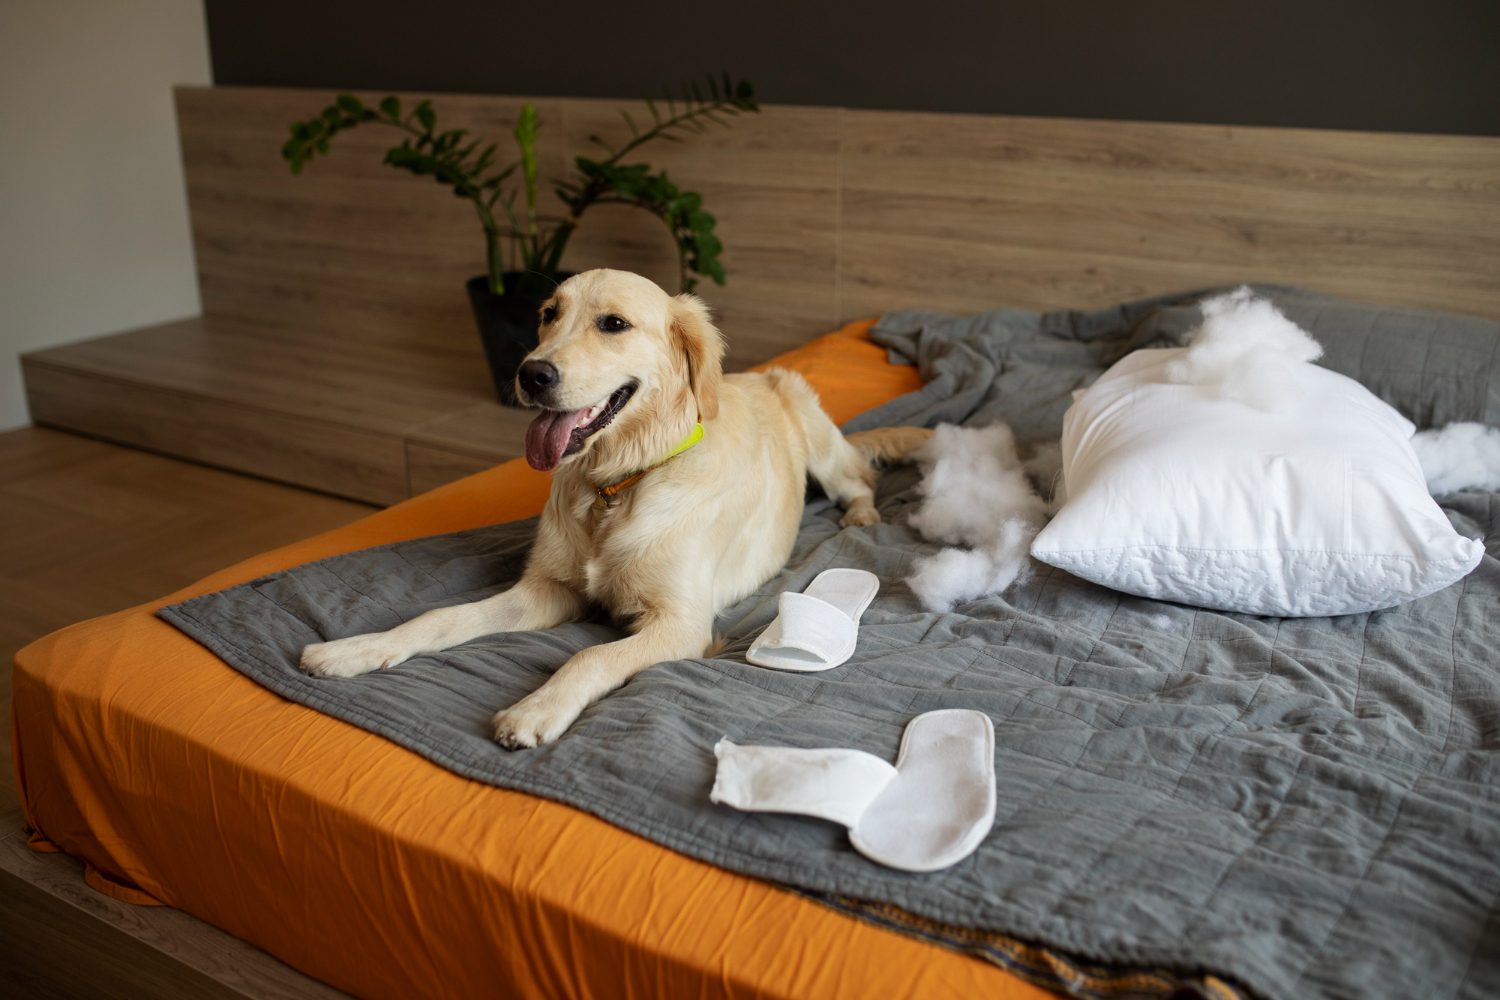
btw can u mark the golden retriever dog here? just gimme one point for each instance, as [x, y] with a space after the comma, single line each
[662, 539]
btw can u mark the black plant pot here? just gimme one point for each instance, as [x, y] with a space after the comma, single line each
[507, 323]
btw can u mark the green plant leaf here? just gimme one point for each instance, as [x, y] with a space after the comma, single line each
[400, 156]
[426, 116]
[351, 104]
[484, 158]
[391, 107]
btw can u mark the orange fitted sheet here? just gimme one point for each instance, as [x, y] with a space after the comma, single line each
[373, 869]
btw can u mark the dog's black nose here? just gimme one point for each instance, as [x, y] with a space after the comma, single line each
[538, 376]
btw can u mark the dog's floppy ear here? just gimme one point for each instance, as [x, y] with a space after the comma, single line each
[703, 346]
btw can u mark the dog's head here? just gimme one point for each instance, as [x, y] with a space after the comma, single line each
[621, 372]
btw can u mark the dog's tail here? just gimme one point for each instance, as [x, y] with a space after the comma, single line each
[885, 445]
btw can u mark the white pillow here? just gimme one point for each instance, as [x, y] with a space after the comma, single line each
[1176, 492]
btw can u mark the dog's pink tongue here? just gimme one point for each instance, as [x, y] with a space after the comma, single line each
[547, 437]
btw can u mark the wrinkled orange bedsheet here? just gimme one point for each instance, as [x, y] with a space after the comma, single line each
[368, 867]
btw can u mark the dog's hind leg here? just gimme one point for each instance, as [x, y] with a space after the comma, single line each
[845, 475]
[884, 445]
[845, 466]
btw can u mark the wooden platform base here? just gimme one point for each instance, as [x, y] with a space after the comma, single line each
[362, 419]
[63, 939]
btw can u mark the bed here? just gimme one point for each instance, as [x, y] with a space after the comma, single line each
[181, 781]
[1190, 800]
[132, 741]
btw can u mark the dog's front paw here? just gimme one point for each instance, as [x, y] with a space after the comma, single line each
[532, 721]
[358, 654]
[860, 516]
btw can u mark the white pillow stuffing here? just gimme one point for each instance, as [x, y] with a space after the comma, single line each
[1461, 456]
[1236, 475]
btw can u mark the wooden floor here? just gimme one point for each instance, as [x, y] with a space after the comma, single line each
[88, 528]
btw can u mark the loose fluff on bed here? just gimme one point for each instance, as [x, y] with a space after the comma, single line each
[976, 496]
[1459, 457]
[1248, 351]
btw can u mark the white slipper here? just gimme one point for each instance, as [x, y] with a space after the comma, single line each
[818, 628]
[928, 812]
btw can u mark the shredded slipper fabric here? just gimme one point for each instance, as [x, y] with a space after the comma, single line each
[928, 812]
[818, 628]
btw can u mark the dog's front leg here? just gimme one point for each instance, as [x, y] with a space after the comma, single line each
[547, 712]
[535, 602]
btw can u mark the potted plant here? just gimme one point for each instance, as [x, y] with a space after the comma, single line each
[524, 247]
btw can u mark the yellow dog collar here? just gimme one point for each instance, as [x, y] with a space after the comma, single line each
[607, 496]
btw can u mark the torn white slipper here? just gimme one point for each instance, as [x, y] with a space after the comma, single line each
[928, 812]
[818, 628]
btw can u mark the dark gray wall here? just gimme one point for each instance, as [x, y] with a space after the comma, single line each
[1386, 65]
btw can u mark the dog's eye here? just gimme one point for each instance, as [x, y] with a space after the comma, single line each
[610, 323]
[549, 314]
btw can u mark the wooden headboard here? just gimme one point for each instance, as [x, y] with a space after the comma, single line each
[831, 214]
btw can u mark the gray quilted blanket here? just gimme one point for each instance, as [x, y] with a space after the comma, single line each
[1306, 807]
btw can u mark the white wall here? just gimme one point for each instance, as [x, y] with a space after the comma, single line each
[93, 213]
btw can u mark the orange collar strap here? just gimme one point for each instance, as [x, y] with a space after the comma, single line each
[606, 497]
